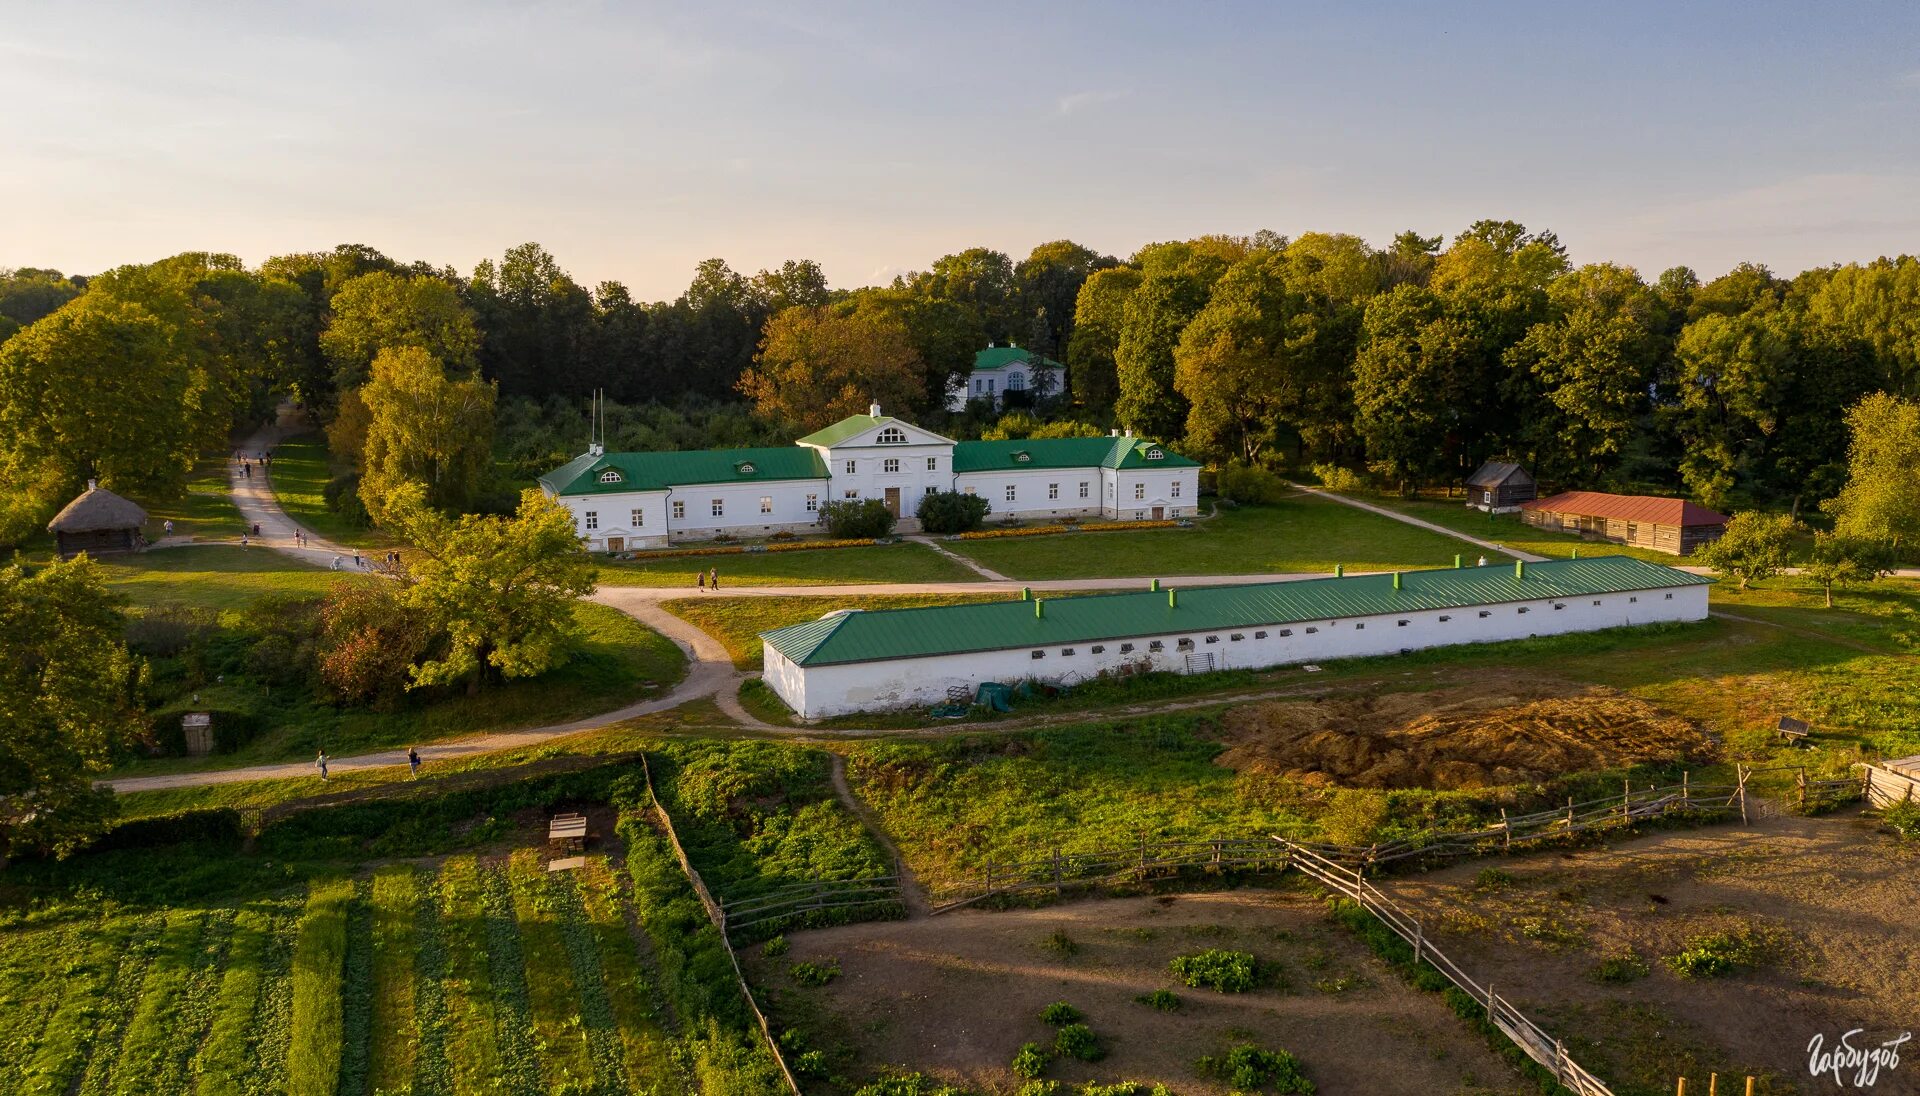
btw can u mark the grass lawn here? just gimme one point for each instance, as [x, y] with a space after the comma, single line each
[301, 469]
[738, 621]
[1301, 534]
[905, 562]
[215, 576]
[1509, 530]
[205, 512]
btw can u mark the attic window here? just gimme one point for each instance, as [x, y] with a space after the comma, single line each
[892, 435]
[1213, 639]
[1154, 454]
[1669, 597]
[1066, 650]
[745, 468]
[1559, 605]
[1022, 457]
[1523, 608]
[1310, 631]
[610, 476]
[1444, 619]
[1400, 624]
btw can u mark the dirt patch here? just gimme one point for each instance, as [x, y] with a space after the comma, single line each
[1474, 736]
[956, 996]
[1828, 902]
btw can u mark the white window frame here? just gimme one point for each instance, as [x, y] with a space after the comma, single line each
[851, 465]
[892, 435]
[679, 509]
[891, 464]
[638, 516]
[609, 476]
[719, 508]
[813, 504]
[1139, 491]
[590, 520]
[1083, 488]
[1053, 490]
[766, 504]
[933, 464]
[1174, 491]
[1013, 492]
[851, 495]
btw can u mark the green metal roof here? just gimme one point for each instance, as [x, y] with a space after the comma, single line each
[992, 456]
[659, 471]
[851, 426]
[999, 357]
[880, 634]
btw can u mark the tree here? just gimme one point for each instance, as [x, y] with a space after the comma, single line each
[945, 335]
[501, 589]
[1843, 561]
[1417, 379]
[1050, 278]
[27, 294]
[982, 280]
[857, 518]
[103, 389]
[944, 512]
[1754, 547]
[1098, 312]
[424, 427]
[1881, 501]
[816, 367]
[371, 639]
[1732, 374]
[65, 704]
[1150, 328]
[385, 311]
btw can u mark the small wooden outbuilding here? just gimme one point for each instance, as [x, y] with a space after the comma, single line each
[98, 523]
[1644, 521]
[1499, 487]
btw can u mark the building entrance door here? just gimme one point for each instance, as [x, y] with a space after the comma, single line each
[616, 544]
[1159, 513]
[893, 501]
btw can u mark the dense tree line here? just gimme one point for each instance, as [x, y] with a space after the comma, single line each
[1409, 363]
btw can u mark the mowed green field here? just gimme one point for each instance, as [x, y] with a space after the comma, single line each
[205, 512]
[301, 469]
[215, 576]
[1300, 535]
[905, 562]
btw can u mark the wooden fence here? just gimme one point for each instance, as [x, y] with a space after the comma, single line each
[1146, 861]
[802, 904]
[719, 918]
[1887, 787]
[1532, 1040]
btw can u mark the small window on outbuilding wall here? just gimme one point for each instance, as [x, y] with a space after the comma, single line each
[1156, 645]
[1126, 648]
[1213, 639]
[1098, 648]
[1039, 654]
[1184, 645]
[1400, 624]
[1669, 597]
[1066, 651]
[1596, 601]
[1486, 613]
[1236, 637]
[1523, 608]
[1359, 624]
[1558, 605]
[1444, 619]
[1310, 631]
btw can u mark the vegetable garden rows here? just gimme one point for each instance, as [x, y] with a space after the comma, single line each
[475, 977]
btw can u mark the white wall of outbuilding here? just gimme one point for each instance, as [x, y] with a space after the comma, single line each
[819, 691]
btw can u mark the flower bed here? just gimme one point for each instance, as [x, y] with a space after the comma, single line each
[741, 549]
[1046, 530]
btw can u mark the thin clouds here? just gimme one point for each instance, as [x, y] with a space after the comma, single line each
[1072, 104]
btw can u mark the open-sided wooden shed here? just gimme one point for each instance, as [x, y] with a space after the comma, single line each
[98, 523]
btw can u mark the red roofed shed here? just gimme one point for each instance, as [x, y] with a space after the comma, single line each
[1644, 521]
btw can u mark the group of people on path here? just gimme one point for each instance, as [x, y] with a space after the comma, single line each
[321, 760]
[708, 578]
[264, 459]
[391, 564]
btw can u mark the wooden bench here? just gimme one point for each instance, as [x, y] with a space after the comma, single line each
[1794, 730]
[568, 832]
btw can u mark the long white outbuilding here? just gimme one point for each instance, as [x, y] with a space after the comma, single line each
[853, 661]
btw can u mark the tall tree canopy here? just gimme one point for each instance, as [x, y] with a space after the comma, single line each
[424, 427]
[816, 367]
[1099, 310]
[385, 311]
[1881, 499]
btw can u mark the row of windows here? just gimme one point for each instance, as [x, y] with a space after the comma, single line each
[1186, 644]
[892, 464]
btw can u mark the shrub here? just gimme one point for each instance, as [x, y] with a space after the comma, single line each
[1619, 969]
[1059, 1013]
[1249, 485]
[1354, 816]
[1246, 1068]
[952, 511]
[813, 974]
[1710, 955]
[167, 631]
[1031, 1061]
[848, 518]
[1079, 1042]
[906, 1084]
[1060, 943]
[370, 642]
[812, 1063]
[1493, 879]
[1164, 1000]
[342, 496]
[1903, 819]
[210, 825]
[1039, 1088]
[1216, 969]
[775, 948]
[1335, 478]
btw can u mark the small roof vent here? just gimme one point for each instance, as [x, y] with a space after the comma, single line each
[874, 410]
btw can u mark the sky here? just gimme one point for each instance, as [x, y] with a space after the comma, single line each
[634, 140]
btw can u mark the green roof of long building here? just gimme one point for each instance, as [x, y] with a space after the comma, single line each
[1125, 452]
[873, 635]
[999, 357]
[659, 471]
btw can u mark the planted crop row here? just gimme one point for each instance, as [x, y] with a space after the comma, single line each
[472, 1048]
[635, 1001]
[554, 996]
[319, 958]
[118, 1008]
[25, 1006]
[230, 1051]
[512, 1010]
[396, 901]
[55, 1063]
[173, 999]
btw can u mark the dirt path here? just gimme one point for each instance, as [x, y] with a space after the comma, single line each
[911, 893]
[969, 564]
[1409, 519]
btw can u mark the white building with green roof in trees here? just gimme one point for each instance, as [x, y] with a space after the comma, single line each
[998, 370]
[623, 501]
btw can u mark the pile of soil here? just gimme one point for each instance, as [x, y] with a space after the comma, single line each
[1473, 736]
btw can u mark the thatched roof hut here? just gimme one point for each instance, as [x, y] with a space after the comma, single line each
[97, 522]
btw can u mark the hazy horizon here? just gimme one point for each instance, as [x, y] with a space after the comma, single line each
[633, 144]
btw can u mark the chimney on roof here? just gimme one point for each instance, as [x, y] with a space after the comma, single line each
[91, 484]
[1114, 433]
[874, 410]
[1129, 431]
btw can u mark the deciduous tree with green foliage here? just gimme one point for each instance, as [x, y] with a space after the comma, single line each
[1881, 501]
[386, 311]
[424, 427]
[1846, 561]
[502, 589]
[1098, 312]
[66, 691]
[1756, 546]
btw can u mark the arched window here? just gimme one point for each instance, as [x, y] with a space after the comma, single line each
[1016, 382]
[892, 435]
[1154, 454]
[609, 476]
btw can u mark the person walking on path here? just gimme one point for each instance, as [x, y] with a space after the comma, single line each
[248, 469]
[713, 578]
[168, 526]
[243, 540]
[320, 762]
[336, 563]
[700, 580]
[413, 762]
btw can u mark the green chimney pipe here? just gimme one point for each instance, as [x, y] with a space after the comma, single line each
[1026, 593]
[1039, 608]
[1339, 570]
[1576, 553]
[1519, 568]
[1154, 586]
[1456, 561]
[1173, 599]
[1396, 580]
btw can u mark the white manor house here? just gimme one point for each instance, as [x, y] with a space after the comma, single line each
[623, 501]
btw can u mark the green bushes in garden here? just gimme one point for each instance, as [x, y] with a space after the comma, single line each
[1217, 969]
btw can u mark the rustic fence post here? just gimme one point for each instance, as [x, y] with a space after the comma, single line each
[1740, 790]
[1058, 877]
[1682, 1090]
[1686, 796]
[1143, 854]
[1800, 782]
[1419, 941]
[1569, 814]
[1559, 1060]
[1713, 1084]
[1626, 802]
[1506, 842]
[989, 889]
